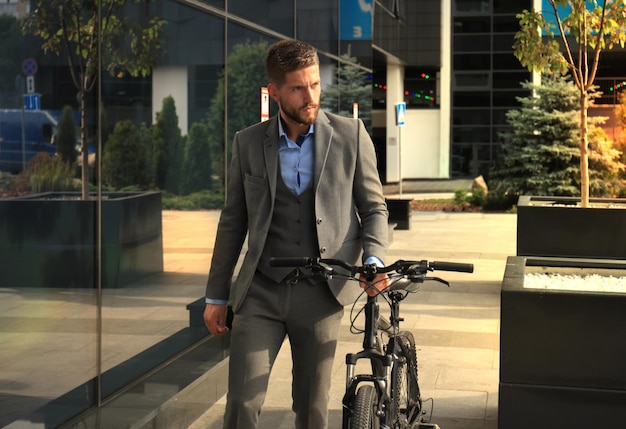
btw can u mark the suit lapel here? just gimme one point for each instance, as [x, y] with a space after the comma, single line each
[270, 151]
[323, 139]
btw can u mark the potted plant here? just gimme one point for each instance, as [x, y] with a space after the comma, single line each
[585, 29]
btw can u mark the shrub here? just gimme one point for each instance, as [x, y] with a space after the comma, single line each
[66, 136]
[125, 154]
[49, 174]
[196, 174]
[460, 196]
[206, 200]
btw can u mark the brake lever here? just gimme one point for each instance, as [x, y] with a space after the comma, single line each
[438, 279]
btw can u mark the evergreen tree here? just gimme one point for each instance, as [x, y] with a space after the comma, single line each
[66, 136]
[197, 170]
[352, 86]
[246, 76]
[11, 55]
[124, 158]
[167, 150]
[540, 153]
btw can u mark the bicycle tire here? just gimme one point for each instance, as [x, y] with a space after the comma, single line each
[364, 409]
[406, 400]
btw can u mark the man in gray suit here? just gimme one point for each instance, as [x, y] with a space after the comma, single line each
[303, 183]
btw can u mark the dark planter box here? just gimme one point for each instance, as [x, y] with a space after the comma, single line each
[562, 353]
[399, 212]
[49, 240]
[555, 226]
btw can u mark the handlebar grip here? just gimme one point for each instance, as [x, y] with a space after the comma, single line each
[290, 261]
[453, 266]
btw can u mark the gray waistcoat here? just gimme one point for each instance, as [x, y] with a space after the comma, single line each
[292, 231]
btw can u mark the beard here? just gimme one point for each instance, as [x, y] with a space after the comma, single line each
[299, 116]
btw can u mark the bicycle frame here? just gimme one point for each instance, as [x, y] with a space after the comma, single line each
[373, 351]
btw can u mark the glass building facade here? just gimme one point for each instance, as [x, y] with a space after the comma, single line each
[101, 298]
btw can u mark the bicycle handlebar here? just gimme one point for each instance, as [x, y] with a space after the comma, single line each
[399, 266]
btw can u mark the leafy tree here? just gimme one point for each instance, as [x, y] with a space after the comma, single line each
[124, 161]
[540, 152]
[246, 76]
[167, 147]
[66, 136]
[589, 28]
[10, 52]
[81, 30]
[351, 86]
[197, 165]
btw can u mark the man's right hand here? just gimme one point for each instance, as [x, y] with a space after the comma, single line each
[215, 318]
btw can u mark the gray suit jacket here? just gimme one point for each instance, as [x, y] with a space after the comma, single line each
[350, 210]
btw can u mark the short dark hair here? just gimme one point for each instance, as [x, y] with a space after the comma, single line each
[287, 56]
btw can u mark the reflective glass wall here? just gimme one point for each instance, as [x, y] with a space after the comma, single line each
[102, 284]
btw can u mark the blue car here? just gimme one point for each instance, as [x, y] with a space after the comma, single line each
[23, 135]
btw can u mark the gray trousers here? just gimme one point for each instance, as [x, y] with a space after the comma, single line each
[310, 316]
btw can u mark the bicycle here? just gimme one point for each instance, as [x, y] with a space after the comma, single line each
[389, 397]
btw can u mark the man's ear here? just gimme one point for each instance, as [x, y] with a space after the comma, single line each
[273, 91]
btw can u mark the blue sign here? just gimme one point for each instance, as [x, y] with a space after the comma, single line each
[32, 102]
[400, 113]
[355, 19]
[29, 67]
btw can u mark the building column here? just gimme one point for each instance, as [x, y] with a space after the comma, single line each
[171, 80]
[394, 95]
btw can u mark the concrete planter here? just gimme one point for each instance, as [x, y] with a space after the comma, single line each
[49, 240]
[562, 352]
[555, 226]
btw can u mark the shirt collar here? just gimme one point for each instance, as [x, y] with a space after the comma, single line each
[281, 130]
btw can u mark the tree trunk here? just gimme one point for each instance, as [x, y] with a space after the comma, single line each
[584, 151]
[84, 152]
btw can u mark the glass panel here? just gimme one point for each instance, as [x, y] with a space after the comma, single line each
[472, 43]
[472, 5]
[461, 159]
[471, 134]
[471, 117]
[506, 62]
[318, 24]
[472, 25]
[275, 14]
[472, 62]
[150, 126]
[420, 88]
[471, 99]
[505, 24]
[48, 314]
[504, 42]
[509, 80]
[510, 6]
[472, 80]
[507, 98]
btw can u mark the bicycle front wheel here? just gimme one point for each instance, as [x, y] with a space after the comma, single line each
[364, 409]
[406, 400]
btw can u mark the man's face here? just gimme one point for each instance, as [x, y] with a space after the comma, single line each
[299, 97]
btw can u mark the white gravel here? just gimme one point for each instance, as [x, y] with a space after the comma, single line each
[575, 282]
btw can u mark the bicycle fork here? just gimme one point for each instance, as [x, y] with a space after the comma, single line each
[379, 378]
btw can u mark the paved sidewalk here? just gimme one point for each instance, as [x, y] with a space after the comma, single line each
[456, 328]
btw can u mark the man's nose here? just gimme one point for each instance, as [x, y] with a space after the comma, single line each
[309, 95]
